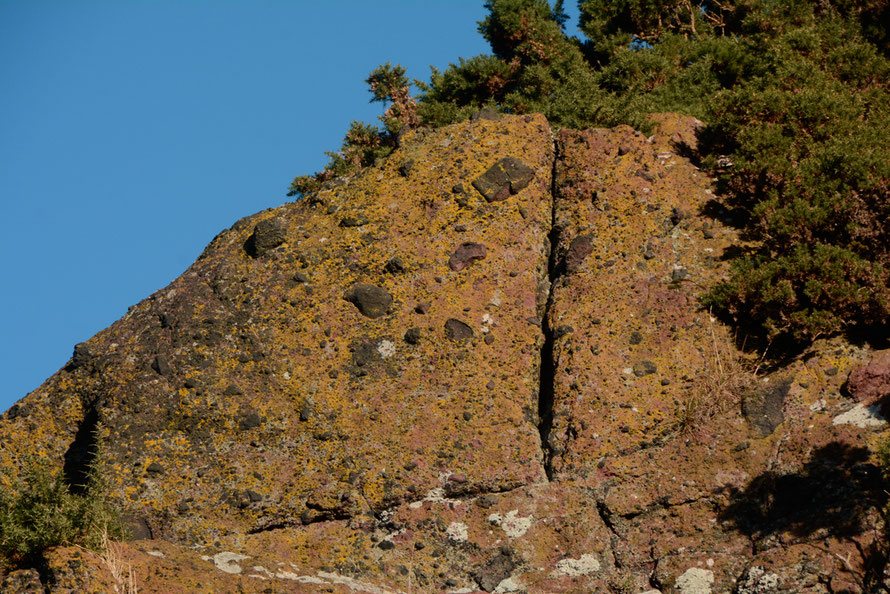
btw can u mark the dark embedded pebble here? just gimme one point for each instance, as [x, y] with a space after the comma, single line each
[422, 308]
[154, 468]
[678, 215]
[503, 179]
[467, 415]
[249, 421]
[357, 220]
[300, 277]
[372, 301]
[562, 331]
[579, 249]
[645, 175]
[679, 274]
[386, 545]
[489, 338]
[406, 167]
[465, 254]
[267, 235]
[642, 368]
[394, 266]
[232, 390]
[636, 338]
[457, 330]
[161, 365]
[412, 336]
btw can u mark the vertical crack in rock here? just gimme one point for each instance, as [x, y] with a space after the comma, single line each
[547, 369]
[81, 453]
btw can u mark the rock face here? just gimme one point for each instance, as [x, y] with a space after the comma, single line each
[871, 382]
[399, 385]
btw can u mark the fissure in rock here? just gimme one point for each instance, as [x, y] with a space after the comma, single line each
[547, 369]
[81, 453]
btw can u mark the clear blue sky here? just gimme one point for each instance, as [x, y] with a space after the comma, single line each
[132, 132]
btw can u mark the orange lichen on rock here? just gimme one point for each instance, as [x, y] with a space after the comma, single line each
[349, 393]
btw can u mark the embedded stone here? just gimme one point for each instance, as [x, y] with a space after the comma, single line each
[579, 249]
[372, 301]
[457, 330]
[505, 178]
[465, 254]
[161, 365]
[643, 368]
[267, 235]
[356, 220]
[763, 408]
[871, 382]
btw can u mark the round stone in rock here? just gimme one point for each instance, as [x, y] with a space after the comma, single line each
[579, 249]
[504, 179]
[457, 330]
[372, 301]
[395, 266]
[465, 254]
[644, 368]
[357, 220]
[412, 336]
[267, 235]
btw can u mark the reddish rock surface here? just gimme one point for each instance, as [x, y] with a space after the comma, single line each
[349, 394]
[871, 382]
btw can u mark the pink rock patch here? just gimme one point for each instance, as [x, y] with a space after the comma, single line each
[871, 382]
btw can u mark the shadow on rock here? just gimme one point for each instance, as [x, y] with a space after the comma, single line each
[837, 493]
[829, 496]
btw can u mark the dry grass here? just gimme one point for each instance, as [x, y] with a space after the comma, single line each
[111, 555]
[718, 388]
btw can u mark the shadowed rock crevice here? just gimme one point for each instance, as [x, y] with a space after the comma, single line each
[548, 368]
[81, 454]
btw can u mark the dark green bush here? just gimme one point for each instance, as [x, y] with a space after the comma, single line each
[364, 144]
[808, 139]
[38, 510]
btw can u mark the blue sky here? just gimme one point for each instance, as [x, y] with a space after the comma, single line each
[132, 132]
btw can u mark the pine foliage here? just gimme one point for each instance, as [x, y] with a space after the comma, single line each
[39, 510]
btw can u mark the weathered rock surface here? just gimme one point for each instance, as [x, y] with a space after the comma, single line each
[503, 179]
[399, 385]
[870, 383]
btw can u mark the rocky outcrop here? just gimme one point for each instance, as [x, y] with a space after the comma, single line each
[480, 364]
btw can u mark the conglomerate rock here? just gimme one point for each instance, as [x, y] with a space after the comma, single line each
[480, 364]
